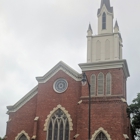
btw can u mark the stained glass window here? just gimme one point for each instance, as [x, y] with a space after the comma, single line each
[101, 136]
[104, 21]
[58, 127]
[23, 137]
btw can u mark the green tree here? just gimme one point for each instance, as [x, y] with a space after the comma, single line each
[133, 111]
[1, 138]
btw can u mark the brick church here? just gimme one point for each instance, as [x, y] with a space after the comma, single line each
[58, 107]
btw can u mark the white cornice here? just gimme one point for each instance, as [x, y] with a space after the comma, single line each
[105, 34]
[23, 100]
[60, 66]
[106, 65]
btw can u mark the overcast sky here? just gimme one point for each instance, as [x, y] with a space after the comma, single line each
[35, 35]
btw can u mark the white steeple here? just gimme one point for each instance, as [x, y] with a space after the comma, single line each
[105, 18]
[107, 45]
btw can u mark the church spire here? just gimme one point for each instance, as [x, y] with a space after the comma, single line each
[89, 31]
[107, 4]
[116, 27]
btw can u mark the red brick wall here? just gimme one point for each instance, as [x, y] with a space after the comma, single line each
[107, 112]
[104, 113]
[23, 119]
[118, 83]
[49, 99]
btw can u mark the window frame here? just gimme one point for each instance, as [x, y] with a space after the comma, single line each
[110, 83]
[93, 85]
[99, 84]
[59, 120]
[104, 21]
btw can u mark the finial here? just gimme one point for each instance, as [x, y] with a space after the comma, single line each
[116, 27]
[116, 24]
[89, 27]
[89, 31]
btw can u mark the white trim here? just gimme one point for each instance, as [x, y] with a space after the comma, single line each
[20, 134]
[126, 136]
[51, 113]
[36, 118]
[104, 9]
[123, 100]
[76, 136]
[98, 131]
[23, 100]
[9, 120]
[106, 65]
[33, 137]
[60, 66]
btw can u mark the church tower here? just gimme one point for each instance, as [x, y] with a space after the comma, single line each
[107, 73]
[107, 45]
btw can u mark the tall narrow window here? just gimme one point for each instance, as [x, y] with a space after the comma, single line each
[108, 84]
[93, 84]
[101, 136]
[58, 128]
[98, 50]
[100, 84]
[104, 21]
[107, 50]
[23, 137]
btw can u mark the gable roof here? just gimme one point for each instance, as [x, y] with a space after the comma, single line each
[107, 4]
[60, 66]
[23, 100]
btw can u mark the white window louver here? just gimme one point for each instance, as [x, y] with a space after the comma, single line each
[93, 84]
[108, 84]
[100, 84]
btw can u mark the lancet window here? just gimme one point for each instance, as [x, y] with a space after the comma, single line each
[101, 136]
[23, 137]
[100, 84]
[93, 84]
[104, 21]
[108, 83]
[58, 128]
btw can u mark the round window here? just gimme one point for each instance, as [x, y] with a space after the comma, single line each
[60, 85]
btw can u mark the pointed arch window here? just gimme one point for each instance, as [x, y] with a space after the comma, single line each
[93, 84]
[101, 136]
[23, 137]
[58, 128]
[108, 83]
[100, 84]
[104, 21]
